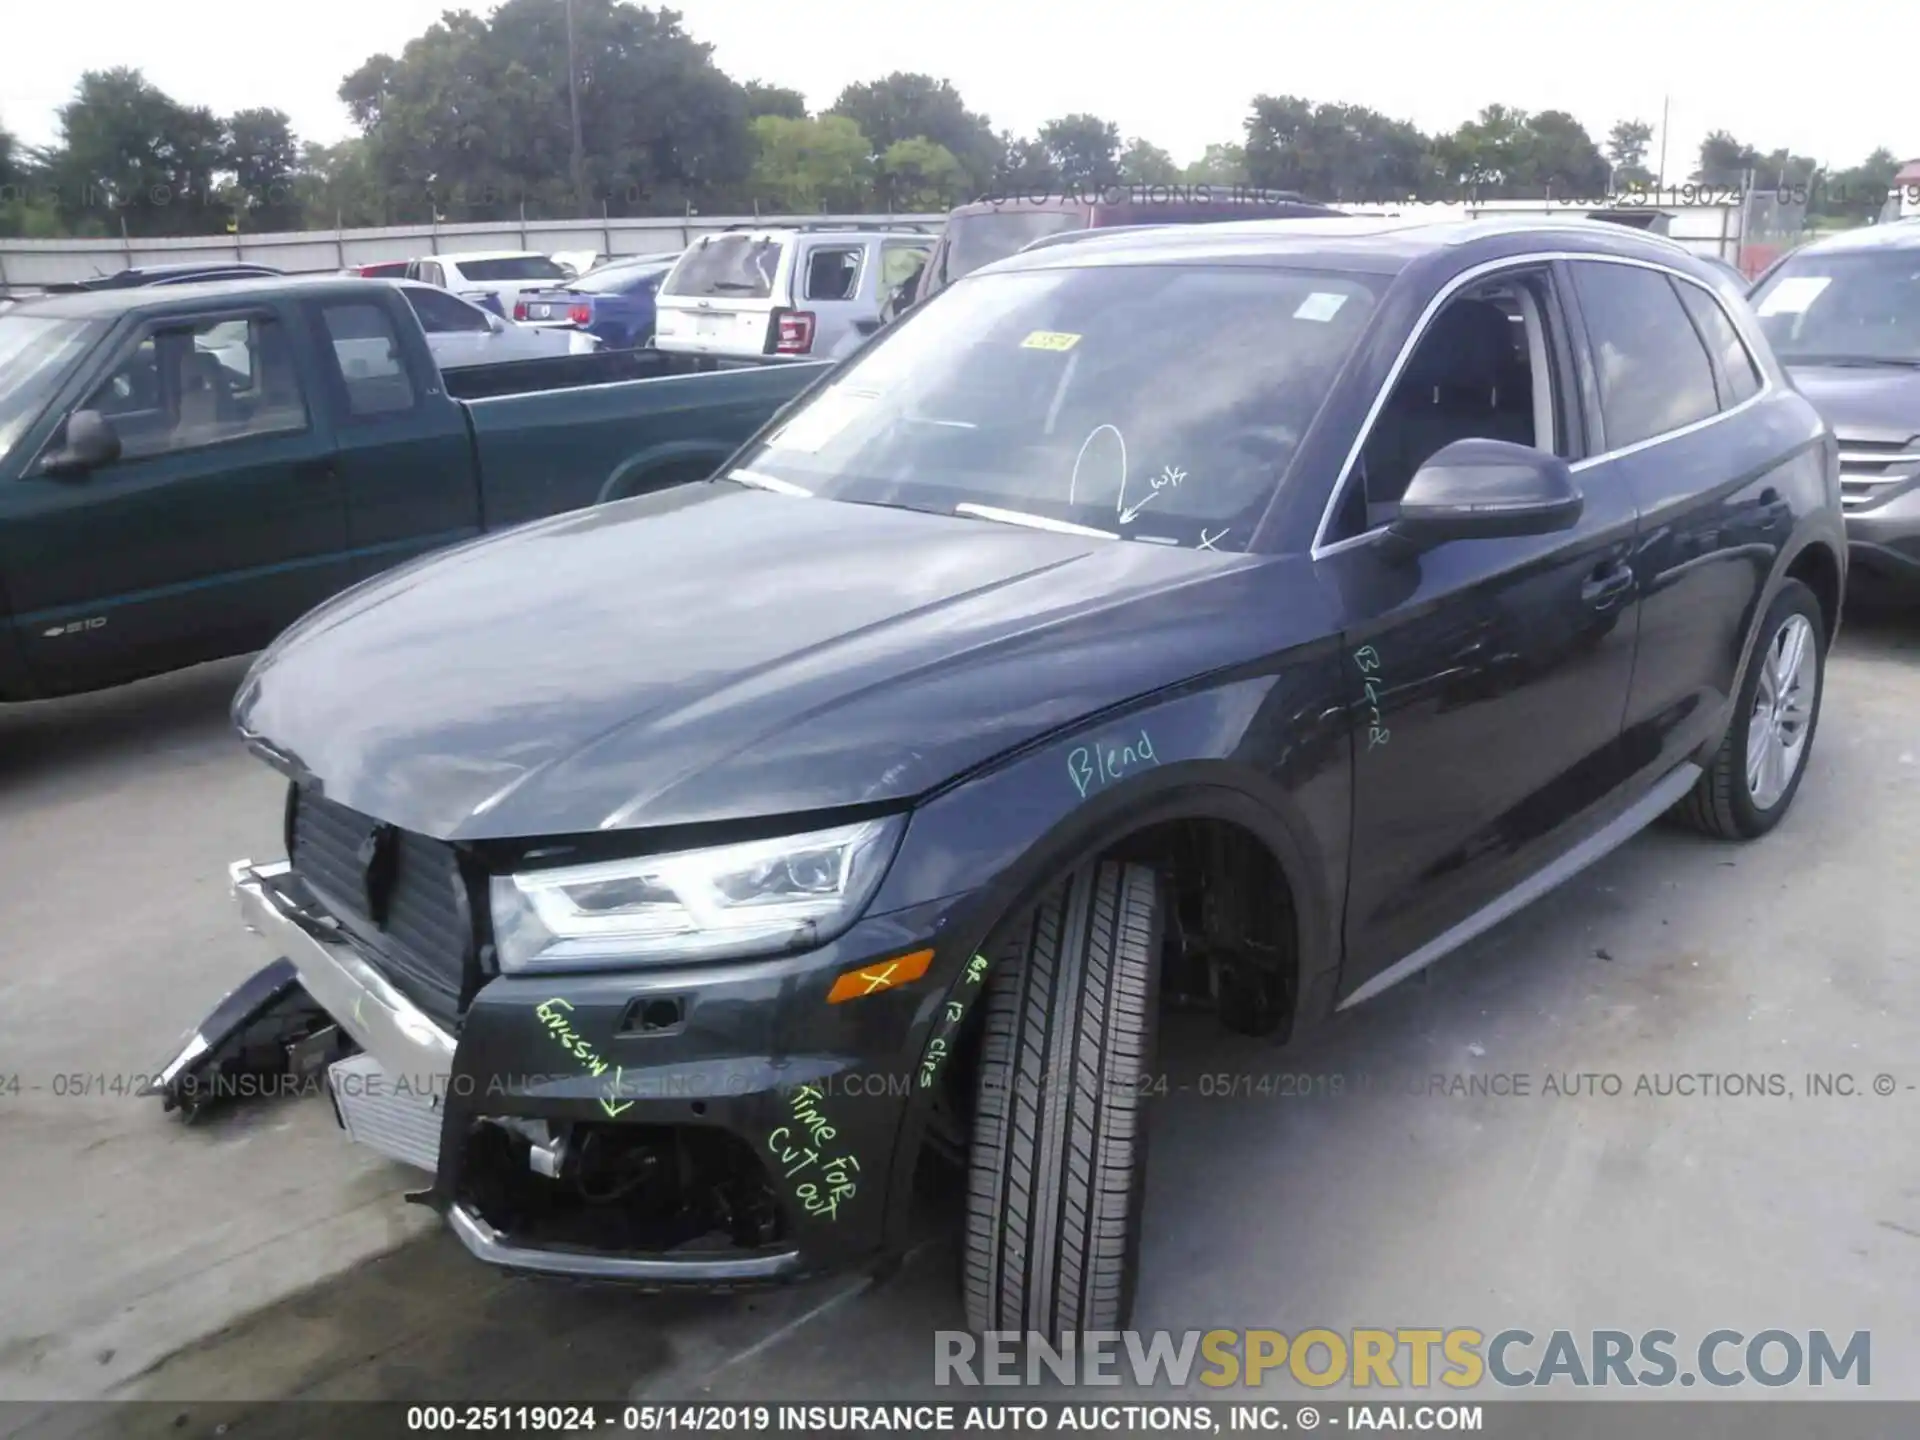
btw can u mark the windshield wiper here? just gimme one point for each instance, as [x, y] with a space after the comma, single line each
[1031, 521]
[733, 285]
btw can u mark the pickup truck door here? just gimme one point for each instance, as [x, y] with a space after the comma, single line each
[221, 522]
[405, 449]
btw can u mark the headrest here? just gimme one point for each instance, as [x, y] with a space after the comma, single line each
[1468, 345]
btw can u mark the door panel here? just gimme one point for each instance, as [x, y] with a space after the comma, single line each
[221, 524]
[1710, 486]
[1488, 678]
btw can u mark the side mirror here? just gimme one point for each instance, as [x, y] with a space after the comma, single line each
[90, 442]
[494, 323]
[1486, 490]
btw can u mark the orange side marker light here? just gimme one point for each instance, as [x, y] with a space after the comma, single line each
[884, 975]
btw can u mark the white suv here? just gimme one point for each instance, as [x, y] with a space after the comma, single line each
[812, 291]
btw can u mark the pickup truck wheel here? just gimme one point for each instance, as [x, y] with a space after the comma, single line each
[1755, 773]
[1057, 1163]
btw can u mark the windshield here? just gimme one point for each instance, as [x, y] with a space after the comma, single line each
[976, 240]
[737, 267]
[619, 280]
[1153, 403]
[1846, 309]
[35, 352]
[516, 267]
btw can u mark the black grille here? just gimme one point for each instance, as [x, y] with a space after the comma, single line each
[426, 945]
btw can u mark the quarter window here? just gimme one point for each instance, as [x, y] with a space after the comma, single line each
[833, 272]
[367, 350]
[1653, 371]
[1737, 371]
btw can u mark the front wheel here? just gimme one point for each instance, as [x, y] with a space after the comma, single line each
[1754, 775]
[1057, 1165]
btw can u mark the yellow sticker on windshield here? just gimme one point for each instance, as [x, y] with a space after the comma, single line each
[1049, 340]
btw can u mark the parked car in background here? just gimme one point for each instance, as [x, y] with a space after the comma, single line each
[951, 732]
[462, 333]
[988, 230]
[185, 469]
[492, 278]
[1843, 315]
[614, 304]
[802, 291]
[381, 270]
[143, 276]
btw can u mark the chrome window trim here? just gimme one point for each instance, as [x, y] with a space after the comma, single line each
[1479, 272]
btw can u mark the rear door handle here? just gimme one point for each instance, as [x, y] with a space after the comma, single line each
[316, 470]
[1606, 588]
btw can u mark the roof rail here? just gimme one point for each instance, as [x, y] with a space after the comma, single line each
[914, 227]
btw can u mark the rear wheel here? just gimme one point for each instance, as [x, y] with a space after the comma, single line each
[1753, 777]
[1057, 1163]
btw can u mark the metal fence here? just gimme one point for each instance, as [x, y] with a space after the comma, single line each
[27, 264]
[1772, 223]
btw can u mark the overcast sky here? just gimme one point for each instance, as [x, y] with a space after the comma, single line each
[1772, 74]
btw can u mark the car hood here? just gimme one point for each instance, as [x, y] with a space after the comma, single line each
[715, 653]
[1862, 402]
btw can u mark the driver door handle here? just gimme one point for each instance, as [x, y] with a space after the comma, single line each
[1607, 586]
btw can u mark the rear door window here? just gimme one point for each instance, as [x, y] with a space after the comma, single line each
[1654, 373]
[442, 314]
[727, 267]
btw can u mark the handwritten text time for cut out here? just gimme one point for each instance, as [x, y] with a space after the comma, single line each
[798, 1148]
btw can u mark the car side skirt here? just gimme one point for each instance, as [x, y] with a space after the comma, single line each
[1601, 843]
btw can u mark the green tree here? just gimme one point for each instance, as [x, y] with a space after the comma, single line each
[1335, 151]
[1084, 149]
[1218, 165]
[1024, 167]
[338, 187]
[473, 118]
[902, 106]
[919, 175]
[1725, 161]
[811, 165]
[1855, 195]
[1144, 164]
[129, 154]
[774, 100]
[1627, 145]
[262, 156]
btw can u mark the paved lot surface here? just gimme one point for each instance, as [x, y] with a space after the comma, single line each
[131, 1236]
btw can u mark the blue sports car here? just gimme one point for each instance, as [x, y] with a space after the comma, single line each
[614, 302]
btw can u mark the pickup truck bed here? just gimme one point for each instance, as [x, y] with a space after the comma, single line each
[269, 443]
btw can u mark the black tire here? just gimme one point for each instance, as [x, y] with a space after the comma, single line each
[1721, 803]
[1058, 1158]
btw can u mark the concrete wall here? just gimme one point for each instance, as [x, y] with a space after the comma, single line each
[27, 263]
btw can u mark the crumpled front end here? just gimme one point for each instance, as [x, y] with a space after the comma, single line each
[718, 1124]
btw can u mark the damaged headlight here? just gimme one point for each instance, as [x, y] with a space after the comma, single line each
[760, 897]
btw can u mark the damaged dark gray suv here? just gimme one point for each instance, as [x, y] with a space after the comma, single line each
[1248, 614]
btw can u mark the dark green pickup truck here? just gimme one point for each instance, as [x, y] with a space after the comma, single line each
[185, 471]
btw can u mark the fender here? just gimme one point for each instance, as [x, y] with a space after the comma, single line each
[630, 476]
[1811, 536]
[1300, 815]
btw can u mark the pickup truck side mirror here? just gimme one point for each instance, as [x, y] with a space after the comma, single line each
[1485, 490]
[90, 442]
